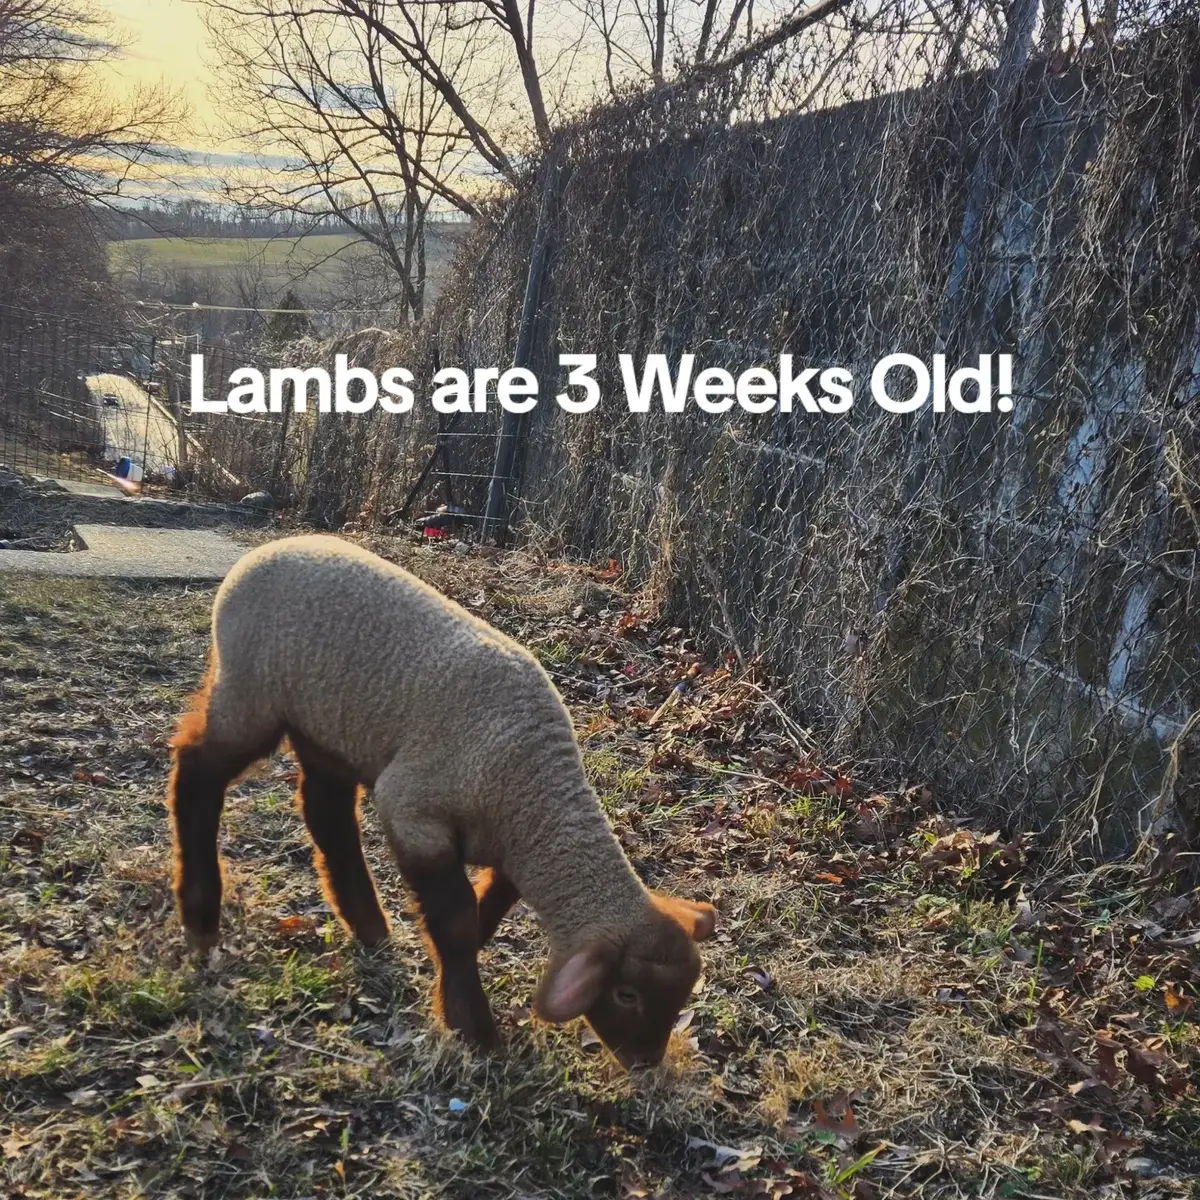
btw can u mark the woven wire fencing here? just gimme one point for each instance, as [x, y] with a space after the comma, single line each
[1001, 604]
[377, 466]
[79, 398]
[53, 376]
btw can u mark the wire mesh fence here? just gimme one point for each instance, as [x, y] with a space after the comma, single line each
[86, 401]
[1000, 603]
[1003, 604]
[55, 376]
[83, 400]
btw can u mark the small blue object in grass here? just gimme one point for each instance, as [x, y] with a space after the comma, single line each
[456, 1105]
[123, 467]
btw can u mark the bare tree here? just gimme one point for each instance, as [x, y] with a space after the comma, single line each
[250, 287]
[654, 41]
[57, 127]
[363, 290]
[135, 260]
[64, 145]
[373, 111]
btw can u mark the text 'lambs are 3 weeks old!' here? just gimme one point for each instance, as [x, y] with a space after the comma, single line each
[983, 388]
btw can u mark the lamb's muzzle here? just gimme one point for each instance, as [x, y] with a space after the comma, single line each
[380, 682]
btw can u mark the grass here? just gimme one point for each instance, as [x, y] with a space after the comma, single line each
[232, 252]
[309, 261]
[894, 1005]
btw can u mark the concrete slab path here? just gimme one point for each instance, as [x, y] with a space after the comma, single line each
[121, 552]
[96, 491]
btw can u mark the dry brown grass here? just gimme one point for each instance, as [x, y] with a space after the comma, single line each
[882, 1013]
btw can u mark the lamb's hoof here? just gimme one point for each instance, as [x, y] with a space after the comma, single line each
[373, 940]
[485, 1040]
[200, 943]
[484, 1047]
[477, 1037]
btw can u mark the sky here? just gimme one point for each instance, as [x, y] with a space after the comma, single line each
[165, 41]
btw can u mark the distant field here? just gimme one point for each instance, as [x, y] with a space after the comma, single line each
[311, 265]
[232, 252]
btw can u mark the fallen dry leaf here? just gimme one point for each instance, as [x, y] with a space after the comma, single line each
[837, 1117]
[759, 976]
[1106, 1060]
[1177, 1003]
[295, 926]
[1144, 1064]
[14, 1144]
[1115, 1148]
[726, 1185]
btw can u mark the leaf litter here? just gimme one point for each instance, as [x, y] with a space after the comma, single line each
[895, 1003]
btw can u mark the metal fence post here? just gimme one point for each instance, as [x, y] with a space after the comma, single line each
[495, 519]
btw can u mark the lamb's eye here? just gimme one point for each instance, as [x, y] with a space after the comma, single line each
[626, 997]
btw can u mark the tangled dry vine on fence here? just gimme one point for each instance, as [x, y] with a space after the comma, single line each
[1005, 603]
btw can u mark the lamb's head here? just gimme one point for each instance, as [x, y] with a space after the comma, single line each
[632, 987]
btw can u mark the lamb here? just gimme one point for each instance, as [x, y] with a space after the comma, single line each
[379, 681]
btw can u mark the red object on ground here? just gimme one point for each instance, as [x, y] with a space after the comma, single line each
[432, 531]
[124, 484]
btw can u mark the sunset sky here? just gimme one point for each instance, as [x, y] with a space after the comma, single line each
[166, 40]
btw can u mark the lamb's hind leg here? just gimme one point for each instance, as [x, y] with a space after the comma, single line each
[204, 763]
[329, 799]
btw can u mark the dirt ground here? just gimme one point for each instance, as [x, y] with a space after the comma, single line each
[896, 1004]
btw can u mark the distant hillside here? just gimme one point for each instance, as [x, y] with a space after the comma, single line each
[327, 269]
[295, 253]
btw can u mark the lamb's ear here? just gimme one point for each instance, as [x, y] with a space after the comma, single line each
[699, 919]
[571, 986]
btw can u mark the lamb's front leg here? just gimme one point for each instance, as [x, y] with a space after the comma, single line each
[411, 808]
[451, 918]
